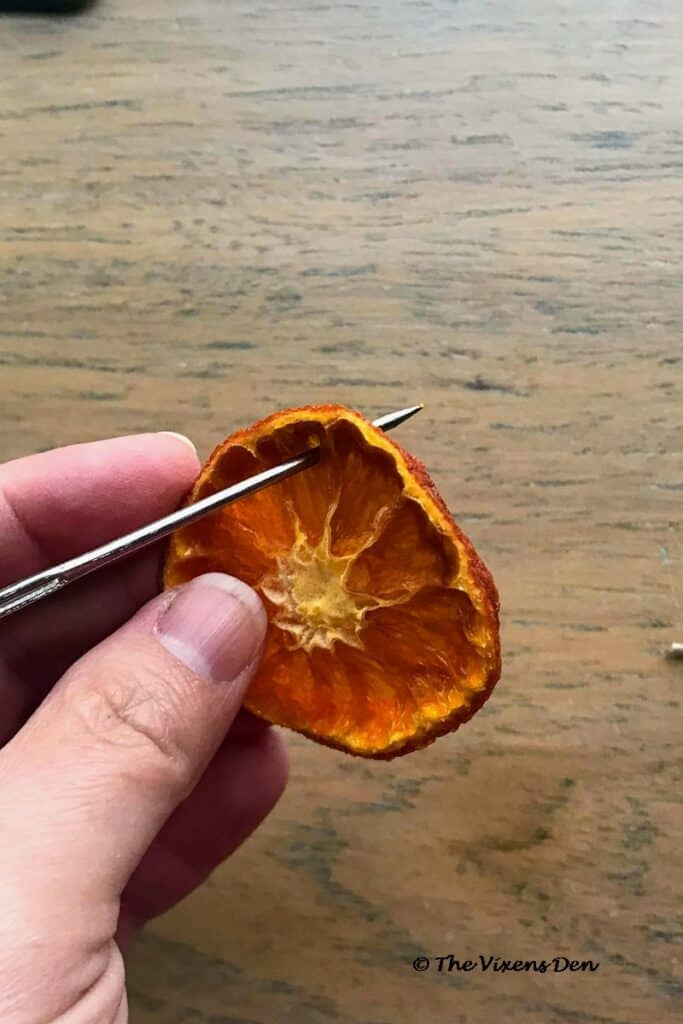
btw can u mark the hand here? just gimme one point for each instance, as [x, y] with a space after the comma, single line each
[127, 772]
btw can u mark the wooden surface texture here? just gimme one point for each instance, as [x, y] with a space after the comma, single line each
[210, 210]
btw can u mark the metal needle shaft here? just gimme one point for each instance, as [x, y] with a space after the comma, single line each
[25, 592]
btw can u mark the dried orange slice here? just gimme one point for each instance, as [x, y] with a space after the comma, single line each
[383, 621]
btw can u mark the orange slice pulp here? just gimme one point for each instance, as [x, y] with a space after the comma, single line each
[383, 621]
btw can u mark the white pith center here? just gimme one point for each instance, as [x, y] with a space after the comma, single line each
[312, 602]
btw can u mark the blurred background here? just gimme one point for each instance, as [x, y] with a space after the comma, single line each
[211, 210]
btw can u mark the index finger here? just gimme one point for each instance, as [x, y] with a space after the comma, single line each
[58, 504]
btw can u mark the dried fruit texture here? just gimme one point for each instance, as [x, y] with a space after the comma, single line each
[383, 621]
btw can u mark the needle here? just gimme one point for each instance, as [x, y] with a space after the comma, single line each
[25, 592]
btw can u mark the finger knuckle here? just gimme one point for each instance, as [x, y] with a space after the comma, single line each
[139, 717]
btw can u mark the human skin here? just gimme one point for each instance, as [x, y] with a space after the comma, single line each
[127, 769]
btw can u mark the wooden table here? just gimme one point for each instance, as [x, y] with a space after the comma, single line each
[213, 209]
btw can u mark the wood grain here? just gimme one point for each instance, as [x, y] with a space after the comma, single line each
[211, 210]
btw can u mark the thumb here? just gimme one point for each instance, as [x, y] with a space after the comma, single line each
[123, 738]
